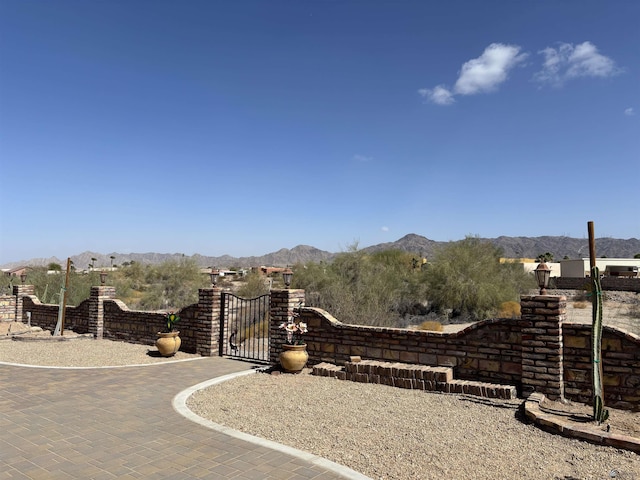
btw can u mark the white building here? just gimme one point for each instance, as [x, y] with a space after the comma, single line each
[529, 267]
[614, 267]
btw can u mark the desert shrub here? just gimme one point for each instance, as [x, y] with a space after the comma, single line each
[580, 305]
[431, 326]
[467, 278]
[510, 309]
[363, 288]
[172, 285]
[48, 286]
[255, 285]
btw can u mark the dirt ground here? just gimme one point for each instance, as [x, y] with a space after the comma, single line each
[614, 314]
[619, 421]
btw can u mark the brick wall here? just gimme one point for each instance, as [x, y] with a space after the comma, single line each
[620, 365]
[133, 326]
[538, 352]
[535, 353]
[7, 308]
[106, 317]
[489, 350]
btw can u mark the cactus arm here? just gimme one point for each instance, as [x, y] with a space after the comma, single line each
[600, 414]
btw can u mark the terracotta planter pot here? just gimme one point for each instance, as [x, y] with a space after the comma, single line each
[168, 343]
[293, 358]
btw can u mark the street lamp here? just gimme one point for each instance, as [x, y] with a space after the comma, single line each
[543, 272]
[23, 277]
[286, 276]
[103, 278]
[214, 274]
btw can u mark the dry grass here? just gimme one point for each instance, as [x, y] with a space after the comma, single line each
[509, 310]
[431, 326]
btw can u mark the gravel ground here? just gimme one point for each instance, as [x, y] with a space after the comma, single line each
[82, 352]
[390, 433]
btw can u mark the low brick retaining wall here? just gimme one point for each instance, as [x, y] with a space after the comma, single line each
[416, 377]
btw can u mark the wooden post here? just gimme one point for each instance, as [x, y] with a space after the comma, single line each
[64, 296]
[592, 245]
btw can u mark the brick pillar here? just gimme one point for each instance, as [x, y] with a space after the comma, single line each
[96, 308]
[209, 312]
[21, 291]
[282, 302]
[542, 369]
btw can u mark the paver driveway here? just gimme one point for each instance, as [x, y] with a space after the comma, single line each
[119, 423]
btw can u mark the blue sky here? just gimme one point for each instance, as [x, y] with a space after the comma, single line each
[220, 127]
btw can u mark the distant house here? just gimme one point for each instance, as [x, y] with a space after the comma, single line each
[16, 271]
[610, 267]
[530, 264]
[271, 270]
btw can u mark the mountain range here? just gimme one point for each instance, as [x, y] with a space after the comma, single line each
[512, 247]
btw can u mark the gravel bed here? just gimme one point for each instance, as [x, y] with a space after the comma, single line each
[82, 352]
[391, 433]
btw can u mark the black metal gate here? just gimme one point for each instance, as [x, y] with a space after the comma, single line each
[244, 327]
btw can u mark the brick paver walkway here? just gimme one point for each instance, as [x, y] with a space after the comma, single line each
[119, 423]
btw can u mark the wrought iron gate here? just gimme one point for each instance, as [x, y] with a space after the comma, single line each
[244, 327]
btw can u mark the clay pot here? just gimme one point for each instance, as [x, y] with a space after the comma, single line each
[168, 343]
[293, 358]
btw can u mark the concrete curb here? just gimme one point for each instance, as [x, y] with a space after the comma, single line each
[588, 432]
[180, 406]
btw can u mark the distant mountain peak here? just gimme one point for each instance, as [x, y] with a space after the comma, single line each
[515, 247]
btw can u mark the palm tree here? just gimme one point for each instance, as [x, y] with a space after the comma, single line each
[93, 262]
[112, 259]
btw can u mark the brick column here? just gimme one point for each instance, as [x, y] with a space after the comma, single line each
[542, 369]
[96, 308]
[21, 291]
[282, 302]
[208, 330]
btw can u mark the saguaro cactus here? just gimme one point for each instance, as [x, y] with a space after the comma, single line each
[600, 414]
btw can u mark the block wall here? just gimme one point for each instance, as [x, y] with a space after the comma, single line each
[620, 365]
[489, 350]
[106, 317]
[133, 326]
[7, 308]
[608, 283]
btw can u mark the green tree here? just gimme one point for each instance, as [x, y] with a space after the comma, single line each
[56, 267]
[255, 285]
[48, 286]
[172, 285]
[545, 257]
[362, 288]
[467, 279]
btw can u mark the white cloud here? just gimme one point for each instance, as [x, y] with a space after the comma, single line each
[479, 75]
[439, 95]
[629, 112]
[385, 229]
[485, 73]
[568, 61]
[362, 158]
